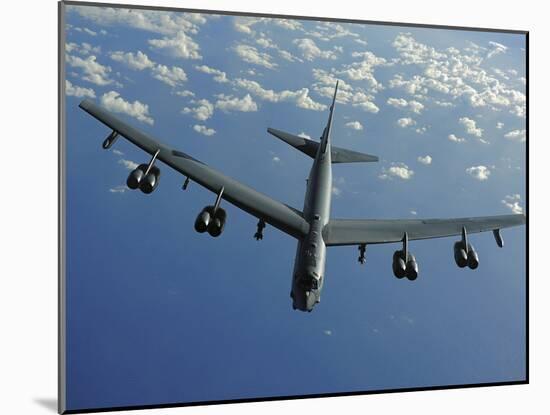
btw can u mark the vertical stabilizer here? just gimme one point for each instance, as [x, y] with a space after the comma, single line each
[325, 139]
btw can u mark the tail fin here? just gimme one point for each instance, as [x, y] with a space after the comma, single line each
[309, 147]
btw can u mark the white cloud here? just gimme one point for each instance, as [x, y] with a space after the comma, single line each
[470, 126]
[516, 135]
[85, 30]
[397, 102]
[412, 105]
[179, 46]
[346, 93]
[251, 55]
[366, 105]
[413, 52]
[304, 135]
[82, 48]
[112, 101]
[219, 76]
[201, 129]
[117, 152]
[456, 139]
[185, 93]
[267, 43]
[311, 51]
[300, 97]
[405, 122]
[77, 91]
[288, 56]
[496, 49]
[94, 72]
[354, 125]
[138, 61]
[445, 104]
[203, 110]
[173, 76]
[327, 332]
[363, 70]
[276, 159]
[336, 191]
[479, 172]
[230, 103]
[149, 20]
[414, 212]
[118, 189]
[397, 170]
[426, 160]
[512, 203]
[457, 74]
[129, 164]
[289, 24]
[519, 110]
[330, 30]
[244, 24]
[500, 125]
[416, 106]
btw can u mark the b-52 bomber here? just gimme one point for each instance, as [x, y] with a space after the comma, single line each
[312, 227]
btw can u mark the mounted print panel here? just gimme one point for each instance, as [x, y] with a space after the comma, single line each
[265, 207]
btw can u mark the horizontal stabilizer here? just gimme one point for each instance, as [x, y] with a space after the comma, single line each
[341, 155]
[309, 147]
[305, 145]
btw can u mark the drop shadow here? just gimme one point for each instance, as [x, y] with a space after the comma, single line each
[48, 403]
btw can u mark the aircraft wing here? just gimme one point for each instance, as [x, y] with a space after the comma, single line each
[275, 213]
[380, 231]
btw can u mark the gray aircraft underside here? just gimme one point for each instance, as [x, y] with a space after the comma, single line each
[312, 227]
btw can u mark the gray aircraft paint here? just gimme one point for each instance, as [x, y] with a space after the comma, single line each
[309, 264]
[313, 227]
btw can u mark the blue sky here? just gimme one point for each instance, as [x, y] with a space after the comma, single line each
[157, 313]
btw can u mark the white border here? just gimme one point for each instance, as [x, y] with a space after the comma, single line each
[28, 259]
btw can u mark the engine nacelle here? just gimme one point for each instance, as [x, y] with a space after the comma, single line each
[150, 182]
[402, 268]
[136, 176]
[211, 221]
[216, 225]
[412, 268]
[473, 258]
[461, 257]
[399, 265]
[203, 219]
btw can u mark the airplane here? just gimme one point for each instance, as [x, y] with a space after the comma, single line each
[313, 227]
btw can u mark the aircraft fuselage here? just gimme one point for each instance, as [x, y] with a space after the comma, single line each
[309, 264]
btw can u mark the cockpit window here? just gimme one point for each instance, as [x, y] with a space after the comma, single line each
[316, 217]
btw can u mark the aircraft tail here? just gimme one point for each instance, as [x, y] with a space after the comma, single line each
[309, 147]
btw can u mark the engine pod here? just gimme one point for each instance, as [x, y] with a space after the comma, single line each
[461, 258]
[203, 219]
[473, 258]
[412, 268]
[136, 176]
[215, 228]
[398, 264]
[150, 182]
